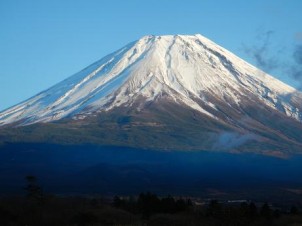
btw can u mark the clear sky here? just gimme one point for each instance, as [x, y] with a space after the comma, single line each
[45, 41]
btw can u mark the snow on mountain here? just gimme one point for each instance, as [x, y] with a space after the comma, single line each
[187, 69]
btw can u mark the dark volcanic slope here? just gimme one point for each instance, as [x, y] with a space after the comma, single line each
[169, 126]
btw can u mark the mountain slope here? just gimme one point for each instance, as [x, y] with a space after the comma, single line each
[186, 68]
[166, 92]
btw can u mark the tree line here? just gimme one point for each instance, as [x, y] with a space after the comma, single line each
[38, 208]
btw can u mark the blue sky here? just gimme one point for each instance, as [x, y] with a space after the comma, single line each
[43, 42]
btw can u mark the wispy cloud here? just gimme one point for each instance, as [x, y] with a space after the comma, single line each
[267, 60]
[298, 36]
[295, 70]
[298, 54]
[261, 52]
[232, 140]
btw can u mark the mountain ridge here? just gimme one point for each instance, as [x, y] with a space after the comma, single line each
[150, 58]
[165, 92]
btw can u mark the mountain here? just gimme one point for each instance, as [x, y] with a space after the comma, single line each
[169, 92]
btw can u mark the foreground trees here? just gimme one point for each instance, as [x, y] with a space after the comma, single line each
[144, 209]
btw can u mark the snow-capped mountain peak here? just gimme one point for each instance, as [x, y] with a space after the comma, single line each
[187, 69]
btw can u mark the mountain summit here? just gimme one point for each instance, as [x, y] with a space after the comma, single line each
[171, 92]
